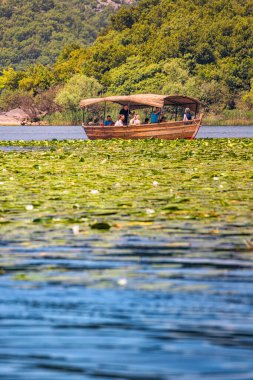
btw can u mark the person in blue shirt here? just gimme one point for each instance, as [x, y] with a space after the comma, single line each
[155, 115]
[108, 122]
[187, 114]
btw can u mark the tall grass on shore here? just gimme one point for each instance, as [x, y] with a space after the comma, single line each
[230, 117]
[65, 118]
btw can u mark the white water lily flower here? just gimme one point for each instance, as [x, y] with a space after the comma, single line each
[75, 229]
[149, 211]
[4, 170]
[1, 183]
[29, 207]
[11, 178]
[155, 183]
[122, 281]
[104, 161]
[216, 178]
[94, 192]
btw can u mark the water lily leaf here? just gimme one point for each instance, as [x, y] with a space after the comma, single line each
[100, 226]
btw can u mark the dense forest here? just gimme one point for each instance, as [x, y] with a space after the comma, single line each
[37, 30]
[201, 48]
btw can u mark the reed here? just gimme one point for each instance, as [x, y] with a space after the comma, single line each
[64, 118]
[230, 117]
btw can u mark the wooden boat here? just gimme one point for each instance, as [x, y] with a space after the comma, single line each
[168, 130]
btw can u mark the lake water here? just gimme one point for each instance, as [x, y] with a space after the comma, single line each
[76, 132]
[173, 305]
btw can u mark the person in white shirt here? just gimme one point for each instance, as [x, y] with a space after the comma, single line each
[120, 121]
[135, 120]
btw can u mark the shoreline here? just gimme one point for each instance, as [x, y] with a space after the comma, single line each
[18, 117]
[228, 122]
[219, 123]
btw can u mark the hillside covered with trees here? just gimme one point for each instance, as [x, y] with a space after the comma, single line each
[200, 48]
[37, 30]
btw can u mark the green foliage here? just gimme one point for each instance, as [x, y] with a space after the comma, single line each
[198, 48]
[125, 18]
[37, 30]
[38, 78]
[10, 79]
[135, 76]
[70, 62]
[78, 87]
[178, 79]
[106, 53]
[248, 96]
[142, 184]
[202, 49]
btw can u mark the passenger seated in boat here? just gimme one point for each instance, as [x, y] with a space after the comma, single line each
[125, 111]
[155, 115]
[93, 121]
[135, 120]
[120, 121]
[146, 120]
[187, 114]
[108, 122]
[131, 122]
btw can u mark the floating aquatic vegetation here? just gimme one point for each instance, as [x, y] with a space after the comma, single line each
[190, 195]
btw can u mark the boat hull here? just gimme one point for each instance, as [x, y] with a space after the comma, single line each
[165, 130]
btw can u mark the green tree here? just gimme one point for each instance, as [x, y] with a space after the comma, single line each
[178, 79]
[37, 79]
[70, 62]
[248, 96]
[10, 78]
[135, 76]
[78, 87]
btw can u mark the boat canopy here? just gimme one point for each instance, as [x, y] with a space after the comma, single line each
[146, 100]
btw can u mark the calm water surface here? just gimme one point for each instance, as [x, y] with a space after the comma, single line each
[76, 132]
[172, 304]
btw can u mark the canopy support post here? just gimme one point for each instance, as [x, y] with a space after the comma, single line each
[83, 115]
[152, 109]
[104, 113]
[176, 113]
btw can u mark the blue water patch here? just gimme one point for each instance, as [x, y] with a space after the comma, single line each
[136, 308]
[76, 132]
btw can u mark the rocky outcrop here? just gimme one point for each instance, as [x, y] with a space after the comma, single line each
[112, 3]
[18, 116]
[14, 117]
